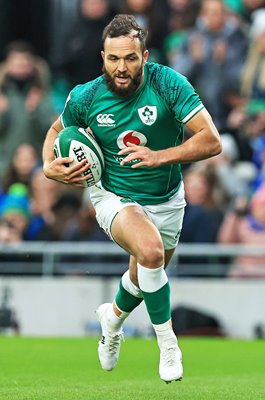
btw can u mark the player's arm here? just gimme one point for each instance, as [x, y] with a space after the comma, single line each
[204, 143]
[56, 168]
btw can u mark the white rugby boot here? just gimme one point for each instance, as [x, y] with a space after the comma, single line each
[170, 365]
[110, 343]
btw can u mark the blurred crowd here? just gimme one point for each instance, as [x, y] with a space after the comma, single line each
[219, 45]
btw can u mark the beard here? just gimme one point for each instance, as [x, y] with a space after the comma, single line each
[128, 91]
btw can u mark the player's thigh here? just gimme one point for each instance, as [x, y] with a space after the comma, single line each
[133, 230]
[128, 224]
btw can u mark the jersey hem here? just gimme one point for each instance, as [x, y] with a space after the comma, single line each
[155, 200]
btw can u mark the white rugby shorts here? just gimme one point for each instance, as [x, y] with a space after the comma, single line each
[167, 217]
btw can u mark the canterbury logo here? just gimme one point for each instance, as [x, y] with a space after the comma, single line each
[105, 120]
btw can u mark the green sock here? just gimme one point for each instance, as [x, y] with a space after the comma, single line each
[158, 304]
[125, 301]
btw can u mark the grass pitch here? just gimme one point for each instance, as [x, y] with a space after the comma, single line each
[68, 369]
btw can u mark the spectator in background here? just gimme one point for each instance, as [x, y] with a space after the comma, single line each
[182, 15]
[84, 227]
[205, 201]
[212, 57]
[78, 58]
[244, 8]
[9, 233]
[65, 213]
[21, 167]
[254, 129]
[15, 209]
[253, 77]
[25, 108]
[149, 14]
[54, 209]
[44, 194]
[202, 219]
[246, 225]
[249, 123]
[241, 173]
[246, 120]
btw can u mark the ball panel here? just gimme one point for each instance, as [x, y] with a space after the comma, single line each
[94, 145]
[78, 144]
[56, 148]
[79, 151]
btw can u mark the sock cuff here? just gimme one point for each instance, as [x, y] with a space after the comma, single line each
[124, 314]
[162, 329]
[125, 301]
[151, 280]
[130, 286]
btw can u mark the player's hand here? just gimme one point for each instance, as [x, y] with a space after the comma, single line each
[197, 44]
[141, 155]
[4, 104]
[220, 52]
[59, 170]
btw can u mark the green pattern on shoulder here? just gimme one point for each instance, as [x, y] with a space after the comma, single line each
[79, 102]
[179, 95]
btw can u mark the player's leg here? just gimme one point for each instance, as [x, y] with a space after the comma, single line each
[108, 206]
[147, 271]
[139, 236]
[133, 230]
[129, 295]
[170, 366]
[112, 316]
[168, 218]
[136, 233]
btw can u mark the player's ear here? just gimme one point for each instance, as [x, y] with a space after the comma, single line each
[102, 54]
[145, 56]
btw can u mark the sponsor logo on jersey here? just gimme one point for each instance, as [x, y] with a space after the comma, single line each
[131, 136]
[148, 114]
[106, 120]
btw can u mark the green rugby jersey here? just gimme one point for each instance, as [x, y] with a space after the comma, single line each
[154, 117]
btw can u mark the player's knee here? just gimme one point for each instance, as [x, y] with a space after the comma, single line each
[151, 255]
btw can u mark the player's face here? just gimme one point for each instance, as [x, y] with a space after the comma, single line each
[123, 64]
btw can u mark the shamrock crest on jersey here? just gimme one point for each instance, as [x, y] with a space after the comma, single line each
[148, 114]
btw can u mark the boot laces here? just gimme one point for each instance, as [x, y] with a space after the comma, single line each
[114, 342]
[169, 355]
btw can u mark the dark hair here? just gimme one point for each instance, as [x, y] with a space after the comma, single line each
[123, 25]
[19, 46]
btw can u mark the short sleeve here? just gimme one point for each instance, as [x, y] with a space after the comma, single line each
[73, 113]
[180, 96]
[187, 103]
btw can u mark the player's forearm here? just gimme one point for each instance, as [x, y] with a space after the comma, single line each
[201, 146]
[47, 151]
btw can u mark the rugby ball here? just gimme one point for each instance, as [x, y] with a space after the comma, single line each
[77, 143]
